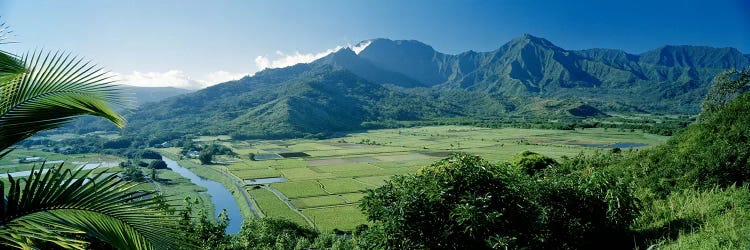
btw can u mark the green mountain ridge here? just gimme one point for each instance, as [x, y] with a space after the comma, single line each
[667, 79]
[408, 80]
[323, 98]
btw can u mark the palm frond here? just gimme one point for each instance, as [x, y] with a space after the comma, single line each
[5, 33]
[102, 205]
[11, 68]
[55, 88]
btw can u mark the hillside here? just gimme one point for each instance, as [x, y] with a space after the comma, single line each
[669, 79]
[289, 102]
[142, 95]
[408, 80]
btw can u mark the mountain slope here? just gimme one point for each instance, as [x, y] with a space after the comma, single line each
[408, 80]
[668, 79]
[142, 95]
[296, 101]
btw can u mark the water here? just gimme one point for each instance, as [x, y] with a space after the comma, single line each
[220, 196]
[263, 157]
[265, 180]
[628, 145]
[614, 145]
[85, 166]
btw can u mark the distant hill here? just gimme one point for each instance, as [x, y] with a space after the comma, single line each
[408, 80]
[143, 95]
[137, 95]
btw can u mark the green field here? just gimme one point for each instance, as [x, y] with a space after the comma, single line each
[326, 186]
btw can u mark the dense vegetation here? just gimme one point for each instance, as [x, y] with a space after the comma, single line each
[691, 192]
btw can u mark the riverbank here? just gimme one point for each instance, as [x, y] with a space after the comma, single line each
[214, 173]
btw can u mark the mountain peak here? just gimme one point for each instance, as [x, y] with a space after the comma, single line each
[388, 43]
[530, 39]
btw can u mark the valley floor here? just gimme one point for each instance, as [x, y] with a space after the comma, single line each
[320, 182]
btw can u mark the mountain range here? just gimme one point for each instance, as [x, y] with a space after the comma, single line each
[406, 80]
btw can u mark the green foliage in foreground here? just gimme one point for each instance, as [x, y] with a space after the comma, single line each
[713, 151]
[55, 205]
[262, 234]
[691, 219]
[41, 91]
[49, 91]
[466, 202]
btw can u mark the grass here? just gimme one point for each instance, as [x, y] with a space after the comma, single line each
[177, 188]
[374, 181]
[271, 206]
[318, 201]
[354, 162]
[9, 163]
[691, 219]
[346, 217]
[363, 167]
[296, 189]
[246, 174]
[352, 197]
[339, 186]
[295, 174]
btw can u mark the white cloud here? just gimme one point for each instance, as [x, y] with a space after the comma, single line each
[180, 79]
[360, 47]
[223, 76]
[176, 78]
[286, 60]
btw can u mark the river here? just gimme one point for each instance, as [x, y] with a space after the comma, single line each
[221, 197]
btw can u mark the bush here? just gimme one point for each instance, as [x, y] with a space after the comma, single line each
[117, 144]
[465, 202]
[590, 209]
[271, 233]
[157, 164]
[459, 202]
[149, 154]
[710, 152]
[531, 162]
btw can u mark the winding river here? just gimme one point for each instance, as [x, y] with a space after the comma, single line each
[221, 197]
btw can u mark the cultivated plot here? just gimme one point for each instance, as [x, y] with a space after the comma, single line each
[325, 179]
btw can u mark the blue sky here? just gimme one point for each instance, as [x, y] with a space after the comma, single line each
[198, 43]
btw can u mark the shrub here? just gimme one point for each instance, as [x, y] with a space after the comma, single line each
[710, 152]
[149, 154]
[531, 162]
[459, 202]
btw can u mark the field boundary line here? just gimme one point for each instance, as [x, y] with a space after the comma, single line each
[288, 202]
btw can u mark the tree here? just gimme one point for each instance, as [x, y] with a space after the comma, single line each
[205, 156]
[157, 164]
[465, 202]
[41, 91]
[726, 86]
[55, 205]
[149, 154]
[462, 202]
[206, 234]
[531, 162]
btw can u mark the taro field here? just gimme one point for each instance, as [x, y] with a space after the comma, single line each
[320, 182]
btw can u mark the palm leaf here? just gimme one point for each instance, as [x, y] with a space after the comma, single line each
[56, 202]
[55, 88]
[5, 33]
[11, 68]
